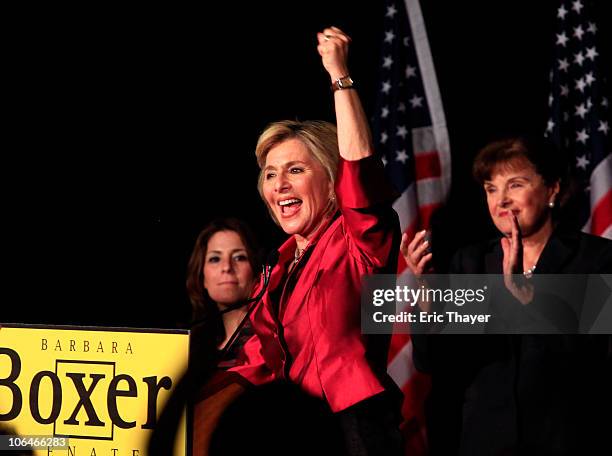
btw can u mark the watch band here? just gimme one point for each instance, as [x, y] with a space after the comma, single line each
[345, 82]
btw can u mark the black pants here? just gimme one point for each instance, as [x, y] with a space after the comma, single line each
[371, 427]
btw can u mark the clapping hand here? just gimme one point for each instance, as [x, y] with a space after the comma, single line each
[416, 253]
[512, 247]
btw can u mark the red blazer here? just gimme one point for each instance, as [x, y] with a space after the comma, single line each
[309, 331]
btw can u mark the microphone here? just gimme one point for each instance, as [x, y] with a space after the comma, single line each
[272, 258]
[271, 261]
[161, 443]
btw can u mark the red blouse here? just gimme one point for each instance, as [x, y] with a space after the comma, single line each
[307, 327]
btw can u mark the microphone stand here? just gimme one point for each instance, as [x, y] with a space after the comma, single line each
[267, 270]
[267, 273]
[161, 442]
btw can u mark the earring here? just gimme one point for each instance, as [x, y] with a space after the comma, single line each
[551, 204]
[331, 205]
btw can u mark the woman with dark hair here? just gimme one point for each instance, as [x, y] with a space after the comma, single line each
[221, 276]
[222, 273]
[527, 393]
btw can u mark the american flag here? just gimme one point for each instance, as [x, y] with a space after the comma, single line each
[410, 132]
[579, 118]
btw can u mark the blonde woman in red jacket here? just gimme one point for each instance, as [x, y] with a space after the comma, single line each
[327, 190]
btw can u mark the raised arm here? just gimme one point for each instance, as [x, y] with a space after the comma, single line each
[363, 193]
[354, 137]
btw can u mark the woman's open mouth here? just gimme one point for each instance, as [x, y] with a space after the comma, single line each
[289, 207]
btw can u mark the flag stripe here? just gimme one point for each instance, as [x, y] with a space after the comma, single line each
[427, 164]
[406, 208]
[413, 217]
[601, 180]
[432, 91]
[601, 219]
[398, 342]
[401, 367]
[410, 128]
[429, 192]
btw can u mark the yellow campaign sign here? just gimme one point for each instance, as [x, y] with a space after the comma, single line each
[101, 389]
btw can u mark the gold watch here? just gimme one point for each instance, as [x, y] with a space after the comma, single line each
[345, 82]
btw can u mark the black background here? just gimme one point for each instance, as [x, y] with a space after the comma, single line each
[130, 129]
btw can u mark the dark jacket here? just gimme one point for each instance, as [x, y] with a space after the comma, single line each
[521, 394]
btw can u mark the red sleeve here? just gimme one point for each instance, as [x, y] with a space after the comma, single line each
[251, 364]
[365, 199]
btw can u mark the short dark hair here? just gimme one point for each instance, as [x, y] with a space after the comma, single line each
[514, 151]
[201, 303]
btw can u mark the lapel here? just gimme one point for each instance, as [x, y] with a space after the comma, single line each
[286, 254]
[307, 271]
[494, 259]
[557, 252]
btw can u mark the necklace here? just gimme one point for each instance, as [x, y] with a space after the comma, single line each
[529, 272]
[298, 254]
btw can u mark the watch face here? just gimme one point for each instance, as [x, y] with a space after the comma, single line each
[345, 82]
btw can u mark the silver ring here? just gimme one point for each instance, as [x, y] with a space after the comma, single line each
[327, 37]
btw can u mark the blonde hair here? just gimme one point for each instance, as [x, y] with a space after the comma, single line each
[319, 137]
